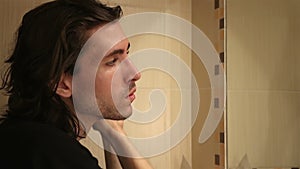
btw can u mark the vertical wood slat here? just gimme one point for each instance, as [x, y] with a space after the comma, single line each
[219, 15]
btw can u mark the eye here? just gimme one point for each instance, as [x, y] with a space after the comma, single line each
[112, 62]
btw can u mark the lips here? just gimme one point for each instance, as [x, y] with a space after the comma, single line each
[131, 95]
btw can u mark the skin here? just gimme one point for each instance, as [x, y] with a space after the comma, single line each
[115, 83]
[114, 90]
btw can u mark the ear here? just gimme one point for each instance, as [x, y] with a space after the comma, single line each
[64, 88]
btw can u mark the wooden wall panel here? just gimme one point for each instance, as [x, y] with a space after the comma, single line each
[263, 82]
[208, 16]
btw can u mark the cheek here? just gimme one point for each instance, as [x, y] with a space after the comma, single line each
[103, 82]
[109, 81]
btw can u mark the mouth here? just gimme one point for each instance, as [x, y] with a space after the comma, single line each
[131, 95]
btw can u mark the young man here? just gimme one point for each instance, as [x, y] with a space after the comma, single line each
[44, 119]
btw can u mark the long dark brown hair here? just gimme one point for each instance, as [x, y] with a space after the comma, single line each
[48, 42]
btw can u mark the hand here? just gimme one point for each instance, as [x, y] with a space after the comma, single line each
[105, 127]
[108, 127]
[119, 152]
[116, 124]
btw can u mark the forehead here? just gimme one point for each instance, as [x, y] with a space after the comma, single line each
[107, 35]
[103, 40]
[122, 45]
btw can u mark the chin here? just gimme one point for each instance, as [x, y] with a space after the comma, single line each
[113, 113]
[119, 116]
[126, 112]
[125, 115]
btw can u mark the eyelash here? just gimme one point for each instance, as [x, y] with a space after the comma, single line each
[111, 63]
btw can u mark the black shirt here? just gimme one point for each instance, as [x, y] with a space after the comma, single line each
[31, 145]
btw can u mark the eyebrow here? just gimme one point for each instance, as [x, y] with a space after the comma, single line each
[118, 51]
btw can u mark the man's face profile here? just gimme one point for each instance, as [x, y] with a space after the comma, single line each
[115, 83]
[104, 76]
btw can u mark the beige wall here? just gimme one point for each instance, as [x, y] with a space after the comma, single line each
[13, 10]
[263, 79]
[263, 43]
[188, 152]
[155, 79]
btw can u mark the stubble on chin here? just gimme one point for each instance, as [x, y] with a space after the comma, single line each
[111, 112]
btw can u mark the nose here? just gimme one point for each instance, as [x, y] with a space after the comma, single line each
[137, 76]
[132, 73]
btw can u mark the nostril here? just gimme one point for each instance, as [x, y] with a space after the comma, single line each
[137, 76]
